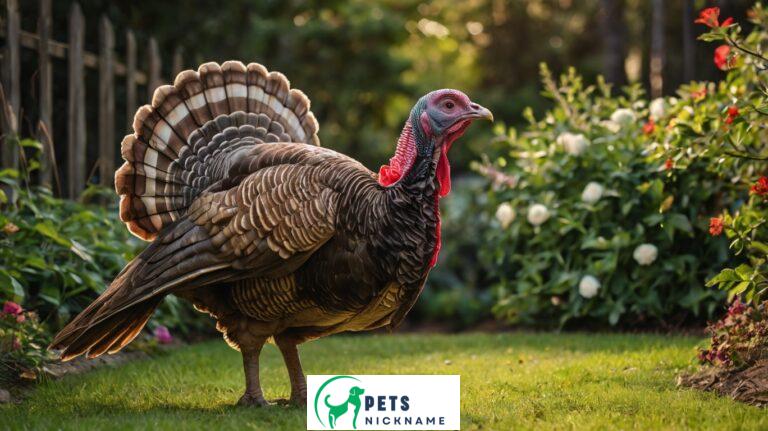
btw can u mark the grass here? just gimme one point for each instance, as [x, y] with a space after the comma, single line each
[509, 381]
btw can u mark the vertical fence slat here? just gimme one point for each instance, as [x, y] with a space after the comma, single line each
[130, 77]
[178, 61]
[45, 127]
[106, 102]
[154, 67]
[76, 105]
[11, 70]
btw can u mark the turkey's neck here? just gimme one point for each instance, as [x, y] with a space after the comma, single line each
[415, 195]
[414, 167]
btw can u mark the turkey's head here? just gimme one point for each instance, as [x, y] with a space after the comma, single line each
[436, 121]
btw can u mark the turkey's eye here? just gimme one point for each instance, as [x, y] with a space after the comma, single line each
[449, 105]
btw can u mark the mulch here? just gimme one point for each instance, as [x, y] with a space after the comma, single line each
[749, 385]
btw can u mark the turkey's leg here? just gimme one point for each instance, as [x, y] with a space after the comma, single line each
[253, 395]
[289, 348]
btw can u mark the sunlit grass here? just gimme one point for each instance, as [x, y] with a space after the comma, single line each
[509, 381]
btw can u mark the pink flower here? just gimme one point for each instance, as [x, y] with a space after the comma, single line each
[20, 318]
[737, 307]
[163, 335]
[11, 307]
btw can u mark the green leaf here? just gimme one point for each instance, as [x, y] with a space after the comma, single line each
[49, 231]
[680, 222]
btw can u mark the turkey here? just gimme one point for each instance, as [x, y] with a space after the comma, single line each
[253, 222]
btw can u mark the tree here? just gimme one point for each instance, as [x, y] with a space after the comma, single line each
[611, 18]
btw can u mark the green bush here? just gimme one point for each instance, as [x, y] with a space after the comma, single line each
[727, 133]
[594, 221]
[57, 255]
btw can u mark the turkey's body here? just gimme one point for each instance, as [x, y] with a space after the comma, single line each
[367, 275]
[254, 223]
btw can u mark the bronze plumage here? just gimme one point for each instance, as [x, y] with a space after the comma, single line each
[255, 223]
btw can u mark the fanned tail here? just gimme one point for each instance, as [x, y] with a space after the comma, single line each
[194, 129]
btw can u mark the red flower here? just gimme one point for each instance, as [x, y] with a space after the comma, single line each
[669, 164]
[710, 17]
[649, 127]
[733, 111]
[760, 188]
[11, 307]
[715, 226]
[721, 57]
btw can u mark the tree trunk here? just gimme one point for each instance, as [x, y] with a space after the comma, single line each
[657, 49]
[689, 38]
[612, 27]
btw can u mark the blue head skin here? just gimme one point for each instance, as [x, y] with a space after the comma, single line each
[441, 117]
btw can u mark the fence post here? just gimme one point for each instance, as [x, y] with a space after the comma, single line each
[11, 69]
[154, 68]
[45, 128]
[106, 103]
[130, 77]
[76, 105]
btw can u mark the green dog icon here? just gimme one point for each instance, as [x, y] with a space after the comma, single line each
[336, 412]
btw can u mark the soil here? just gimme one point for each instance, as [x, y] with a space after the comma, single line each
[749, 385]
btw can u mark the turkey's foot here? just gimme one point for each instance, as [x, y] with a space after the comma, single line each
[255, 400]
[298, 401]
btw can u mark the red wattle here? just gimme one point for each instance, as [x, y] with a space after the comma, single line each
[388, 175]
[444, 172]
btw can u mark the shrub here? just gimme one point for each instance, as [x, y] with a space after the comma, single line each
[57, 255]
[739, 339]
[729, 138]
[22, 344]
[609, 227]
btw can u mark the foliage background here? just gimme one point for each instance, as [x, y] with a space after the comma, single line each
[363, 64]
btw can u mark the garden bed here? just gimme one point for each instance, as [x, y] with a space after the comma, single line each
[749, 385]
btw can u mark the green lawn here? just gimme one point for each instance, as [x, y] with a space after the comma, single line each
[509, 381]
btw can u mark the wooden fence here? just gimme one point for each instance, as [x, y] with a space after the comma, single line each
[109, 69]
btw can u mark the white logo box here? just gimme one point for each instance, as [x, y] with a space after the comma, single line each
[383, 402]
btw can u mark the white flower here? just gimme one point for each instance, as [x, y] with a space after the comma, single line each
[592, 193]
[611, 126]
[505, 214]
[588, 286]
[572, 143]
[623, 116]
[645, 254]
[657, 108]
[537, 214]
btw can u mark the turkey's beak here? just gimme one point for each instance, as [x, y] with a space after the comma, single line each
[478, 111]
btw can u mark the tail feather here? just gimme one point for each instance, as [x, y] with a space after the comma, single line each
[181, 257]
[185, 140]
